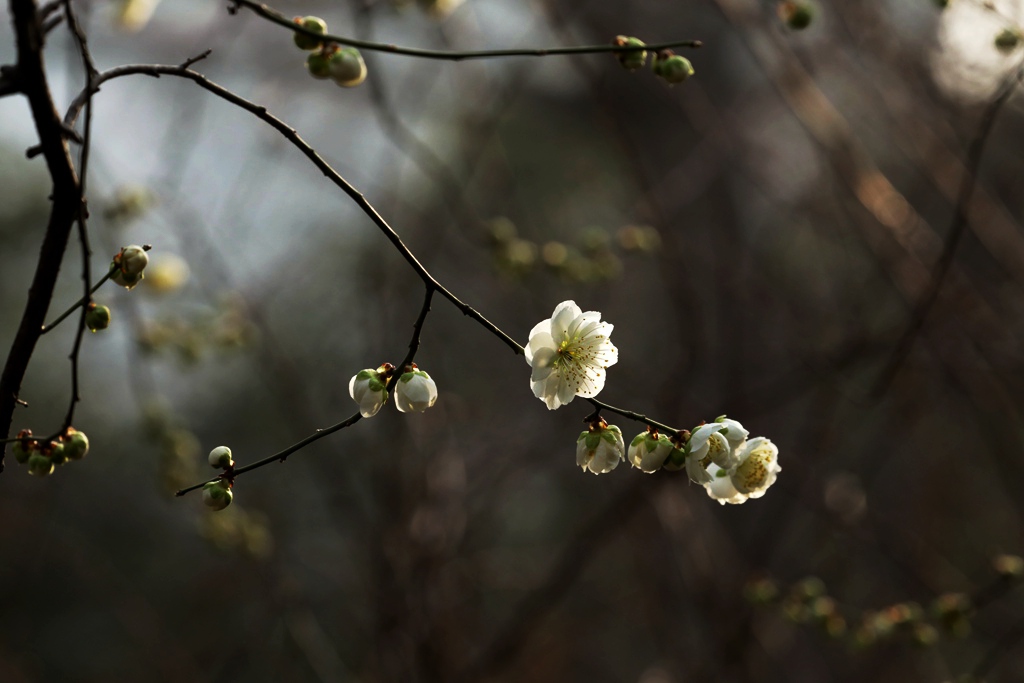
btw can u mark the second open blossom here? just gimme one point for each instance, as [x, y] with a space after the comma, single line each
[569, 353]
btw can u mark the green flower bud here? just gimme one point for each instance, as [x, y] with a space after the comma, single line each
[217, 494]
[39, 465]
[57, 454]
[797, 15]
[317, 65]
[220, 457]
[97, 317]
[632, 60]
[671, 67]
[76, 445]
[315, 24]
[1007, 40]
[347, 68]
[23, 448]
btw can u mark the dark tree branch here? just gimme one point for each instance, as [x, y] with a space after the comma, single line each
[292, 136]
[66, 199]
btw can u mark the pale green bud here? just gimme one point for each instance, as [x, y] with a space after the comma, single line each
[39, 465]
[315, 24]
[217, 495]
[97, 317]
[633, 59]
[347, 68]
[76, 445]
[317, 65]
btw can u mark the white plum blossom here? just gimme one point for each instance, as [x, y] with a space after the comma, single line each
[600, 448]
[649, 450]
[755, 469]
[569, 353]
[719, 441]
[415, 392]
[368, 388]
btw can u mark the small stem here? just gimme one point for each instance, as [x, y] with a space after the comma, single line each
[452, 56]
[633, 416]
[81, 302]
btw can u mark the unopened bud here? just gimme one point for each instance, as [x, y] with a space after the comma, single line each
[217, 494]
[634, 59]
[97, 317]
[315, 24]
[220, 457]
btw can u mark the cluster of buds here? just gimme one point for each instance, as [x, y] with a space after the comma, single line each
[327, 59]
[796, 15]
[718, 456]
[665, 64]
[217, 494]
[415, 391]
[43, 457]
[128, 264]
[808, 601]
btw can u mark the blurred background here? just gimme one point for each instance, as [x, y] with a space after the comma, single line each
[760, 237]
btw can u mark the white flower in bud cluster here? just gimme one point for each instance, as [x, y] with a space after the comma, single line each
[368, 388]
[569, 353]
[718, 441]
[220, 458]
[217, 494]
[755, 469]
[649, 450]
[415, 392]
[128, 266]
[600, 448]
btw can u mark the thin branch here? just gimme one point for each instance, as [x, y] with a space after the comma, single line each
[956, 232]
[81, 302]
[633, 416]
[292, 136]
[83, 234]
[417, 329]
[452, 56]
[281, 456]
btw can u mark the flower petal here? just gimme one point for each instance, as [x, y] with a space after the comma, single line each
[540, 337]
[564, 315]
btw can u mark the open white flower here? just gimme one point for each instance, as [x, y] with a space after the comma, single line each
[720, 441]
[600, 448]
[755, 469]
[569, 353]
